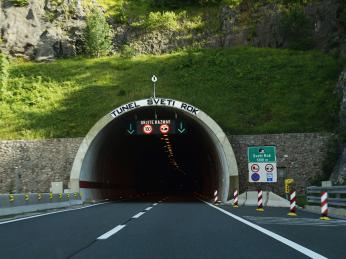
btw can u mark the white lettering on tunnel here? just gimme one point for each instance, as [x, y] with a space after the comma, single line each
[154, 102]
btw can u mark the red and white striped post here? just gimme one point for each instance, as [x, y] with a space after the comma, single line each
[260, 201]
[293, 206]
[235, 199]
[324, 206]
[215, 197]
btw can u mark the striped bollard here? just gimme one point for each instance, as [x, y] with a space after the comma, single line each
[235, 196]
[324, 206]
[215, 196]
[260, 201]
[293, 207]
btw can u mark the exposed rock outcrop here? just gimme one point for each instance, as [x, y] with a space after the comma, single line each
[41, 30]
[339, 173]
[261, 28]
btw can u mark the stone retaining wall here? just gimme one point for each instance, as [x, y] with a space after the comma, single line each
[30, 166]
[299, 156]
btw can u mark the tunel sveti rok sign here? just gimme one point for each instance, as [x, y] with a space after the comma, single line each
[154, 102]
[262, 164]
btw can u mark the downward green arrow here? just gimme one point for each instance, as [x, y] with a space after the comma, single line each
[181, 129]
[130, 131]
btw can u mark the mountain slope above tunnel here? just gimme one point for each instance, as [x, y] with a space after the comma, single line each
[246, 90]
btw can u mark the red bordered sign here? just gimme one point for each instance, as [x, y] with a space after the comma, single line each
[147, 129]
[164, 128]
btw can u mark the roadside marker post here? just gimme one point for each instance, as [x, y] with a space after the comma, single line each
[293, 207]
[26, 197]
[235, 196]
[215, 197]
[11, 198]
[259, 201]
[324, 206]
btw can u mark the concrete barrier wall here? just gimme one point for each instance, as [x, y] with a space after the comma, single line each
[20, 203]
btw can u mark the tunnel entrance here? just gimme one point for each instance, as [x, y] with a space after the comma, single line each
[119, 158]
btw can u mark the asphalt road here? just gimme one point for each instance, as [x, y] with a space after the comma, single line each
[175, 228]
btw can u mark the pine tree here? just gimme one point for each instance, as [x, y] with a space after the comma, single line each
[97, 34]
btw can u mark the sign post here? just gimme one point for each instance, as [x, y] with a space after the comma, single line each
[262, 164]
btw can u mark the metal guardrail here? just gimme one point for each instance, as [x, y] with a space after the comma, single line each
[336, 195]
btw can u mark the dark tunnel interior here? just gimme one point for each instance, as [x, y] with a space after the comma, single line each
[174, 164]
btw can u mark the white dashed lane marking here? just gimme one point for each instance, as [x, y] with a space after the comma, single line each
[138, 215]
[149, 208]
[111, 232]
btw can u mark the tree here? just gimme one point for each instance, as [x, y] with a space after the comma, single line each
[97, 34]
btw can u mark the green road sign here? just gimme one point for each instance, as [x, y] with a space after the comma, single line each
[262, 154]
[262, 164]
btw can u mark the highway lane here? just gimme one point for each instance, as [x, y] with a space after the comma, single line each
[62, 234]
[179, 227]
[324, 237]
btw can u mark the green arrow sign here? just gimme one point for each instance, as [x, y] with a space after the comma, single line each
[181, 129]
[130, 130]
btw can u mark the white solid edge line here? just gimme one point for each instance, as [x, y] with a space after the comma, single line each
[111, 232]
[138, 215]
[149, 208]
[50, 213]
[277, 237]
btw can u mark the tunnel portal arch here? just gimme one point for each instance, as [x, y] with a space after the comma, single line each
[83, 173]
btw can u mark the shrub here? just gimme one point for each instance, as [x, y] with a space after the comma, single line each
[97, 35]
[174, 4]
[4, 68]
[296, 29]
[19, 2]
[168, 20]
[127, 51]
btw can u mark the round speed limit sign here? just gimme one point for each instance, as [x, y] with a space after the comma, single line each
[147, 129]
[164, 128]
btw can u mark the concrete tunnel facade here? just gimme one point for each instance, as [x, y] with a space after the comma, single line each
[112, 163]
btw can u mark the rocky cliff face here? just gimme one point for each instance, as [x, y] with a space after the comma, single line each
[322, 29]
[44, 30]
[339, 173]
[41, 30]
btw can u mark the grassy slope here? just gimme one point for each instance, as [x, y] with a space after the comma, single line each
[246, 90]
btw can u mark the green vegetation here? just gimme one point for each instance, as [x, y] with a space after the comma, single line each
[4, 73]
[246, 90]
[97, 35]
[19, 2]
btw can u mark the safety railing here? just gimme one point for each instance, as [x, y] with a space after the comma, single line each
[336, 195]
